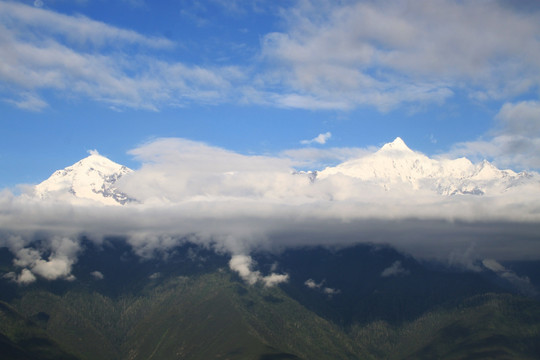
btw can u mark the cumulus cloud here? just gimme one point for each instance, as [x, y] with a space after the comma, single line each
[178, 169]
[514, 142]
[319, 139]
[62, 254]
[24, 278]
[243, 265]
[385, 54]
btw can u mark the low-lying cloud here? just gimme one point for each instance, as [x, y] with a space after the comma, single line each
[396, 269]
[244, 264]
[188, 191]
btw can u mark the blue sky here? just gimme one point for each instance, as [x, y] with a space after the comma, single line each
[452, 78]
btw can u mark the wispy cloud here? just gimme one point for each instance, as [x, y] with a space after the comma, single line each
[328, 56]
[522, 283]
[76, 56]
[396, 269]
[35, 23]
[28, 101]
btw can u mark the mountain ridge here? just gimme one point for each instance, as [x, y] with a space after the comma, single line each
[396, 164]
[194, 307]
[393, 167]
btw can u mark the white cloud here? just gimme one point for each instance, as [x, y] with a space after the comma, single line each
[523, 284]
[76, 56]
[28, 101]
[329, 291]
[319, 139]
[98, 275]
[238, 204]
[274, 279]
[514, 142]
[179, 170]
[310, 283]
[385, 54]
[24, 278]
[243, 264]
[521, 118]
[396, 269]
[330, 55]
[78, 30]
[63, 254]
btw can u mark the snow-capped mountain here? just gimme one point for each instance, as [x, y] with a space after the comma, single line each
[92, 178]
[395, 164]
[393, 167]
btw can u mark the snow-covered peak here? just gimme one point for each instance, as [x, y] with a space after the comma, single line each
[92, 178]
[398, 145]
[396, 164]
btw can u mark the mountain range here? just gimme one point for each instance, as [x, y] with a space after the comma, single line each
[393, 166]
[394, 163]
[359, 302]
[146, 292]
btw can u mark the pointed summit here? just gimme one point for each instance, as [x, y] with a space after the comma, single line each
[93, 178]
[397, 145]
[95, 161]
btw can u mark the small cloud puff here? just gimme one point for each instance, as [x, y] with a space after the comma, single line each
[24, 278]
[98, 275]
[396, 269]
[243, 264]
[310, 283]
[319, 139]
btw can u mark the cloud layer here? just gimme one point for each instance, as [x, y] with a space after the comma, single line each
[190, 191]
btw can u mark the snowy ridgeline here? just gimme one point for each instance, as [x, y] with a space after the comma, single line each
[394, 166]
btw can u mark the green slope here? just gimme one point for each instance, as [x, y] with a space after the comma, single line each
[216, 316]
[21, 338]
[490, 326]
[199, 317]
